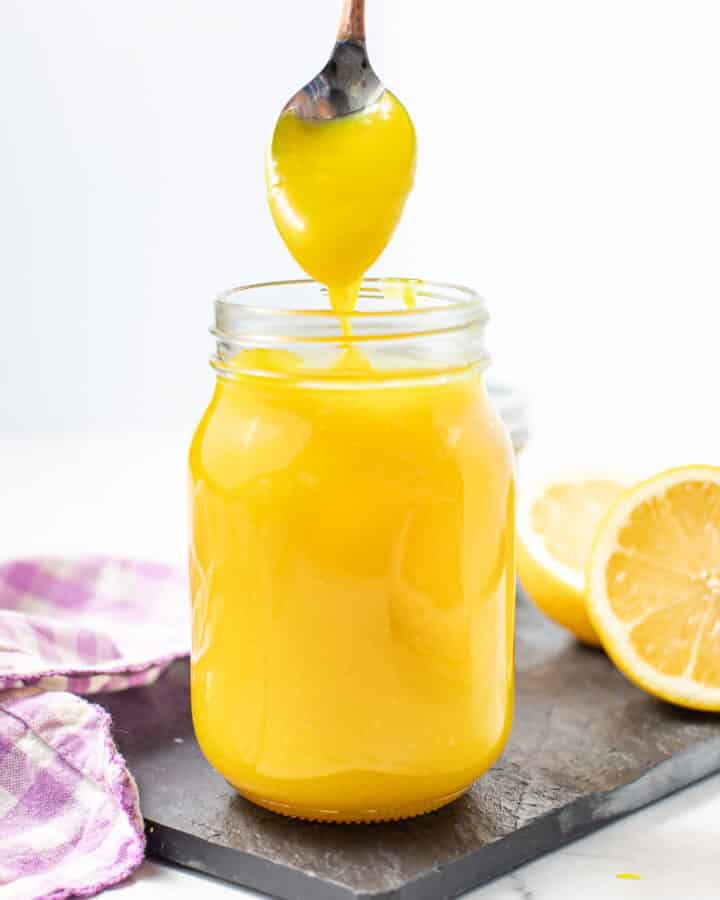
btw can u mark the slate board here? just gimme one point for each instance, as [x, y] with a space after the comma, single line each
[587, 747]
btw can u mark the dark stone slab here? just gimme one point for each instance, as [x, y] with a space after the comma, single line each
[587, 748]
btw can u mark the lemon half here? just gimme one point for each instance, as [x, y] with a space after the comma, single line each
[557, 521]
[653, 585]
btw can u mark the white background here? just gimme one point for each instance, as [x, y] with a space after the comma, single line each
[569, 169]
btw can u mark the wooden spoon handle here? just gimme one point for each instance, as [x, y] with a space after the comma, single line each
[352, 21]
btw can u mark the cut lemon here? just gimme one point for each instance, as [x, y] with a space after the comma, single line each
[556, 528]
[653, 585]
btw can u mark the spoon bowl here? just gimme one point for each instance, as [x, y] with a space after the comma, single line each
[347, 84]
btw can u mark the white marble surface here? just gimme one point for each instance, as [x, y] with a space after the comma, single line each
[126, 494]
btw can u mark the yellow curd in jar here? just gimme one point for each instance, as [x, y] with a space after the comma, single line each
[353, 589]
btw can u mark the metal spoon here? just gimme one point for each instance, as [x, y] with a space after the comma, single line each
[348, 83]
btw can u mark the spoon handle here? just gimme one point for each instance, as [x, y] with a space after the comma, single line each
[352, 21]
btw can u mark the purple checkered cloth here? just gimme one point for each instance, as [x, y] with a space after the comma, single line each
[70, 822]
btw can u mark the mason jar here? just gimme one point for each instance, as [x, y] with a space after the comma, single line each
[352, 561]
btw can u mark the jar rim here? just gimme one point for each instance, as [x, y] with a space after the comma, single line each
[399, 324]
[446, 296]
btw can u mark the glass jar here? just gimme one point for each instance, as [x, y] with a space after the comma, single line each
[352, 563]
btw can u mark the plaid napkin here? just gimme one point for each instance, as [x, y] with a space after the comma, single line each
[70, 823]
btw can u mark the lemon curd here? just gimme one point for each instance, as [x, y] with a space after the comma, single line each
[337, 189]
[352, 564]
[352, 494]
